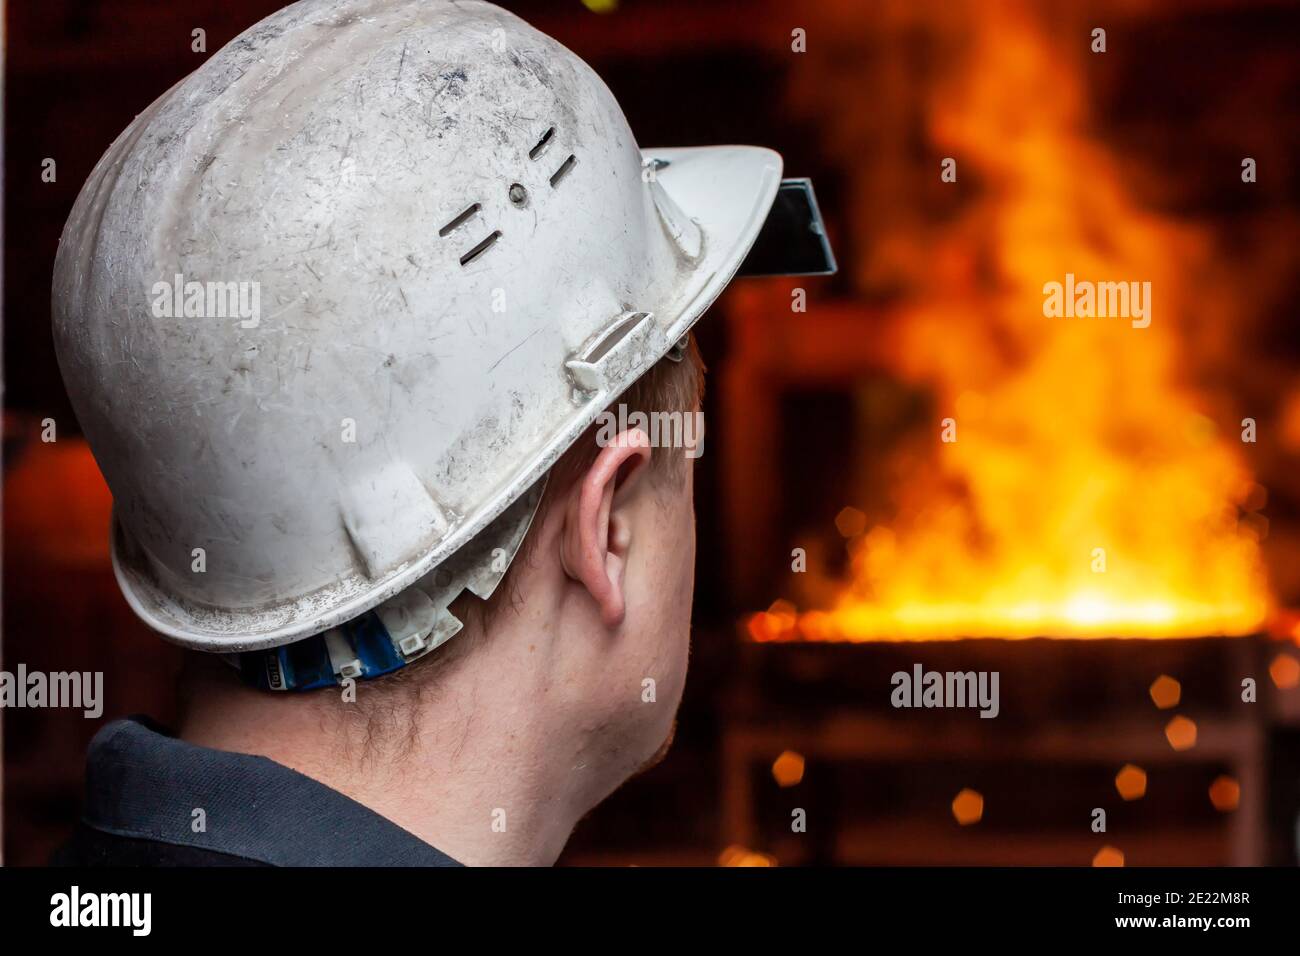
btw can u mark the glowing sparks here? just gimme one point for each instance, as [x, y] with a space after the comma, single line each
[1131, 782]
[1285, 672]
[1181, 733]
[1225, 794]
[787, 769]
[968, 807]
[741, 856]
[1108, 856]
[1165, 692]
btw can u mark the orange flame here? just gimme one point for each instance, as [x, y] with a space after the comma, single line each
[1085, 493]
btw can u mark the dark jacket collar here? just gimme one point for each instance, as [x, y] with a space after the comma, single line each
[142, 783]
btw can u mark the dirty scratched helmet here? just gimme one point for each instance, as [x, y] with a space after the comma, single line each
[330, 308]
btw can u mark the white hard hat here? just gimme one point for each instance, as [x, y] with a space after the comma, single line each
[340, 297]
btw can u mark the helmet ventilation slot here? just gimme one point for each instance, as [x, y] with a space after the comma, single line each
[612, 337]
[481, 248]
[563, 170]
[542, 144]
[459, 220]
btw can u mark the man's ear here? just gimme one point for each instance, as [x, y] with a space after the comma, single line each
[597, 533]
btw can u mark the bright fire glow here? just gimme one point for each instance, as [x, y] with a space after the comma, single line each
[1087, 494]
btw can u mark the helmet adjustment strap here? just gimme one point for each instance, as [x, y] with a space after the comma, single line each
[403, 628]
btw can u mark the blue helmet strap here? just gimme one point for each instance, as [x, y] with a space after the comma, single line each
[360, 649]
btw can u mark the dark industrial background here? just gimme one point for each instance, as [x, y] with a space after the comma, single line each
[1185, 89]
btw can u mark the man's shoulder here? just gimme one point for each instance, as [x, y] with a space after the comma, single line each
[155, 800]
[91, 847]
